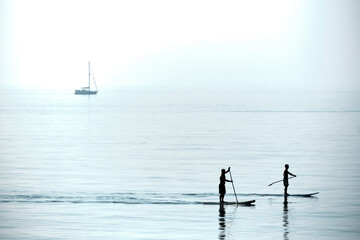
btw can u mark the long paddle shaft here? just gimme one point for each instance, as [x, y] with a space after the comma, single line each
[278, 181]
[233, 188]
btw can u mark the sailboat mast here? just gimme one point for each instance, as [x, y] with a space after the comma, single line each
[89, 75]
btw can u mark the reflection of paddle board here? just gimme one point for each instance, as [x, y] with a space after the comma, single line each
[229, 203]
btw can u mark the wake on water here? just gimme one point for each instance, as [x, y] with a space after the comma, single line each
[129, 198]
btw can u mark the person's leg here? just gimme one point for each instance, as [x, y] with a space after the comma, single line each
[286, 184]
[222, 195]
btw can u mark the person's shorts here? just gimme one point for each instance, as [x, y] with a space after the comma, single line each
[286, 182]
[222, 189]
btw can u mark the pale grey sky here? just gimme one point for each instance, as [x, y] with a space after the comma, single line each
[245, 45]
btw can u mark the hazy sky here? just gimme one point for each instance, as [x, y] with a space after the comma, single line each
[245, 45]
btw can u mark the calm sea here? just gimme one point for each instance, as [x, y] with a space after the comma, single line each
[136, 165]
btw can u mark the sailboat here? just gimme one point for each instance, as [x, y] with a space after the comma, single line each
[87, 90]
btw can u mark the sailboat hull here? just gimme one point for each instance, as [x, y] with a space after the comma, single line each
[85, 92]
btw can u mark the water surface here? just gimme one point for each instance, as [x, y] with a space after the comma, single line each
[135, 165]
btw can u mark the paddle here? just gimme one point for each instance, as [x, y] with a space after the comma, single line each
[277, 181]
[237, 202]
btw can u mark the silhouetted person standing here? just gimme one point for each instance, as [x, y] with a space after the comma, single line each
[286, 178]
[222, 189]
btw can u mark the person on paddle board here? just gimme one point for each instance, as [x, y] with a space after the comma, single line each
[286, 178]
[222, 189]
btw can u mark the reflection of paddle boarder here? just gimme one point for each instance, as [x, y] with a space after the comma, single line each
[222, 222]
[286, 178]
[286, 220]
[222, 189]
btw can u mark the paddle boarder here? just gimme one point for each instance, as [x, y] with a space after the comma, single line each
[286, 178]
[222, 189]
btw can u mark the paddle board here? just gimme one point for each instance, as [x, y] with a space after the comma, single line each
[248, 203]
[303, 195]
[289, 195]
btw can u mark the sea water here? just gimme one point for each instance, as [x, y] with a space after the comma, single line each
[138, 164]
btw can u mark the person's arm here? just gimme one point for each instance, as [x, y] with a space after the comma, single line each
[228, 180]
[292, 174]
[228, 170]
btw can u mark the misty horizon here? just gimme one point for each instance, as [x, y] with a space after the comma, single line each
[245, 46]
